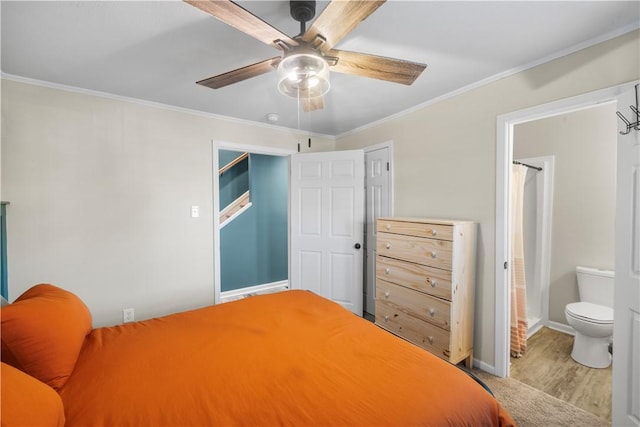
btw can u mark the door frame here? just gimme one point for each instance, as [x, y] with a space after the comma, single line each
[232, 146]
[388, 145]
[504, 156]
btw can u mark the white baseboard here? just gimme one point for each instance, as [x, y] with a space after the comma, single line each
[561, 327]
[483, 366]
[265, 288]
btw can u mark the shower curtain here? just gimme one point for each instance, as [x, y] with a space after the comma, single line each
[518, 283]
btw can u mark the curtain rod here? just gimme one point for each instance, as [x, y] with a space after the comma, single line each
[515, 162]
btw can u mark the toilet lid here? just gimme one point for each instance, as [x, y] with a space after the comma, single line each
[590, 312]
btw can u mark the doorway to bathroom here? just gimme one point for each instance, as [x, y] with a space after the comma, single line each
[568, 246]
[568, 191]
[568, 206]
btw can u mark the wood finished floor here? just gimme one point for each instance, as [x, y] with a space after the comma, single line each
[547, 366]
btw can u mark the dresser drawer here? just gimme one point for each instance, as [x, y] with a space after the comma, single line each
[417, 304]
[432, 252]
[434, 231]
[420, 333]
[431, 280]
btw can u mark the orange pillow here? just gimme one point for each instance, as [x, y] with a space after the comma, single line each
[27, 401]
[43, 332]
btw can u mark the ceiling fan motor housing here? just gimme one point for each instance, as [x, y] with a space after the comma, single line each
[303, 10]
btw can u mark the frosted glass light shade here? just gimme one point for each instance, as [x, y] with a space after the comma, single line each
[303, 75]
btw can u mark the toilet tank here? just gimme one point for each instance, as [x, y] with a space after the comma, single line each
[595, 286]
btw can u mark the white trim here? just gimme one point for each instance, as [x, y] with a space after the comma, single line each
[389, 145]
[265, 288]
[561, 327]
[504, 156]
[496, 77]
[380, 145]
[111, 96]
[254, 149]
[532, 331]
[225, 145]
[556, 326]
[215, 194]
[483, 366]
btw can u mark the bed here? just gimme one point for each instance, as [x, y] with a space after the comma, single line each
[288, 358]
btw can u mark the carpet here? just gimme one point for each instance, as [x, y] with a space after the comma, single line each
[533, 408]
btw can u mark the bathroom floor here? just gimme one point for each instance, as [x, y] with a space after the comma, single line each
[547, 366]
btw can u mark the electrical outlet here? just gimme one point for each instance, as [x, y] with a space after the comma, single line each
[127, 315]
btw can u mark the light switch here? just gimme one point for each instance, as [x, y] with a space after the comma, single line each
[195, 211]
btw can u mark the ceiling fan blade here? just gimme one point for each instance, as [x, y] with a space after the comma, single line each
[240, 74]
[312, 104]
[376, 67]
[235, 15]
[337, 20]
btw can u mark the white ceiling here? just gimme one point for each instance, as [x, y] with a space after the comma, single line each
[157, 50]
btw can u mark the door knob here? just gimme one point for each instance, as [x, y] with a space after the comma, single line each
[357, 246]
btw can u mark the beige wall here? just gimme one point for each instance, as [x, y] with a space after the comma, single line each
[100, 193]
[444, 154]
[583, 220]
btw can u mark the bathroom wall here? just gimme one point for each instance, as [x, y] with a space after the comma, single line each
[584, 146]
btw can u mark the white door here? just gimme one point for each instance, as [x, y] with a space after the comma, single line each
[378, 203]
[626, 332]
[327, 225]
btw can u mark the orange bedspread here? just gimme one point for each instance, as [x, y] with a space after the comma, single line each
[290, 358]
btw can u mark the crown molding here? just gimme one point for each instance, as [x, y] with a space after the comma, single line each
[106, 95]
[565, 52]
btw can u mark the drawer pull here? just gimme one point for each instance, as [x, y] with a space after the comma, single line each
[432, 283]
[433, 254]
[434, 232]
[388, 227]
[386, 271]
[430, 339]
[386, 294]
[386, 318]
[388, 246]
[432, 312]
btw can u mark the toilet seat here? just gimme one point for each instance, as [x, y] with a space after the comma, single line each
[589, 312]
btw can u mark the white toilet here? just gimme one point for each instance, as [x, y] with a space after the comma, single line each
[592, 317]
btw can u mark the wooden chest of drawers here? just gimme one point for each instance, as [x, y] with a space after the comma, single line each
[425, 280]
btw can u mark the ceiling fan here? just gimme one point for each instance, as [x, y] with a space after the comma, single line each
[303, 69]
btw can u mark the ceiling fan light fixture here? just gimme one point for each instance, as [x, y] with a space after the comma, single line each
[303, 74]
